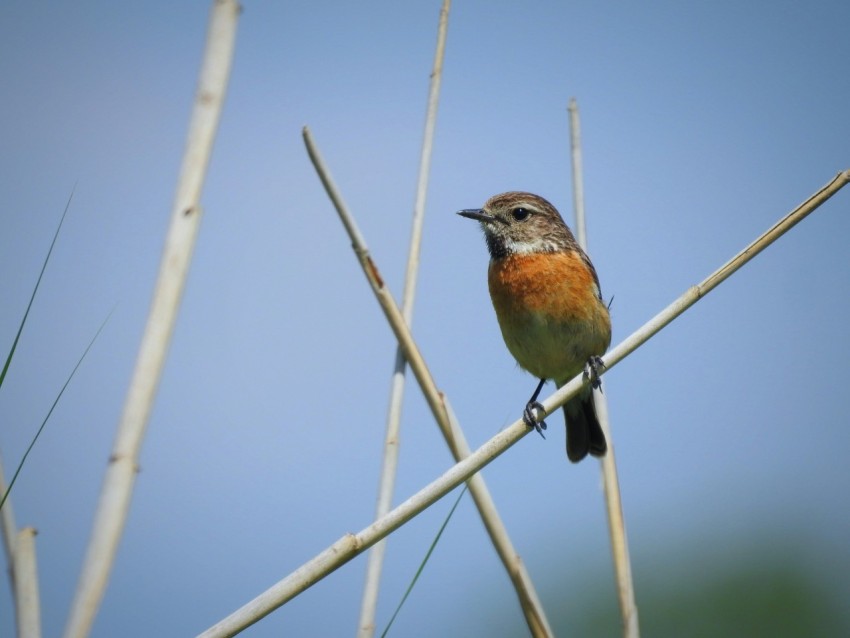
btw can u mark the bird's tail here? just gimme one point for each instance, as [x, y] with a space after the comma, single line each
[584, 434]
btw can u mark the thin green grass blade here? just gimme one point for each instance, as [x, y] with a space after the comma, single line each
[35, 290]
[58, 396]
[425, 560]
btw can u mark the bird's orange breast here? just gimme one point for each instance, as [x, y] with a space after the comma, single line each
[559, 285]
[549, 312]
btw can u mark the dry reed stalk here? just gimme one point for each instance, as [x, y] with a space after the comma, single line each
[529, 601]
[610, 482]
[117, 488]
[23, 575]
[7, 525]
[27, 606]
[366, 624]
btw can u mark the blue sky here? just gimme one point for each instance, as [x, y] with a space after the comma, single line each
[702, 125]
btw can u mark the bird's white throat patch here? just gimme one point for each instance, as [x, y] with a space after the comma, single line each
[535, 245]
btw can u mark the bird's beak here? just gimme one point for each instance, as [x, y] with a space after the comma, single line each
[477, 214]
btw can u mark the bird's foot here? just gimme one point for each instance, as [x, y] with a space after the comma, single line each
[592, 369]
[529, 416]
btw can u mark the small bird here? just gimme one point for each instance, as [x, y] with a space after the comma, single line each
[549, 306]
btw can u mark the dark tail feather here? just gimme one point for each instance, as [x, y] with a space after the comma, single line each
[584, 434]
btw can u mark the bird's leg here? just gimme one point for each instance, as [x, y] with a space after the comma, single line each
[528, 415]
[591, 371]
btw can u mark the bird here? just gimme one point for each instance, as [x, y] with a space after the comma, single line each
[549, 306]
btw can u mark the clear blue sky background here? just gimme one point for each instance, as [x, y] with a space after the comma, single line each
[702, 125]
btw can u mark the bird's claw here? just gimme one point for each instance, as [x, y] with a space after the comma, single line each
[530, 418]
[591, 371]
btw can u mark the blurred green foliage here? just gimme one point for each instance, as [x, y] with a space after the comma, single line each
[773, 598]
[760, 587]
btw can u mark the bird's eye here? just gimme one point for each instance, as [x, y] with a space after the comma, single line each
[520, 214]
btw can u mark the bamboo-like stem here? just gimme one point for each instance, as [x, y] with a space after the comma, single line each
[23, 572]
[697, 292]
[10, 535]
[577, 173]
[613, 503]
[350, 545]
[117, 487]
[530, 603]
[412, 270]
[366, 625]
[27, 607]
[7, 525]
[617, 529]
